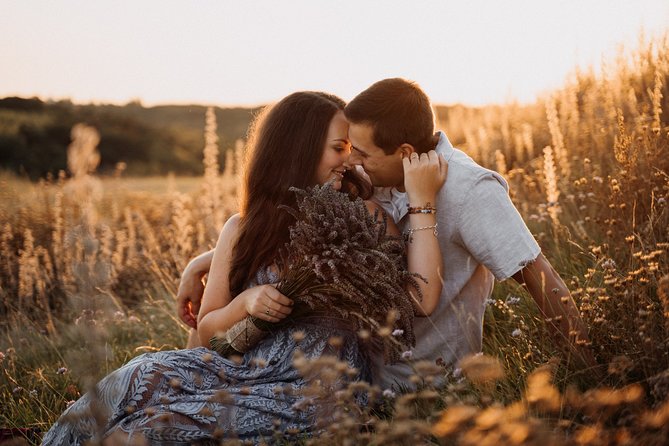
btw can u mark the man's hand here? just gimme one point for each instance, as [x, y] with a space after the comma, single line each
[189, 296]
[191, 288]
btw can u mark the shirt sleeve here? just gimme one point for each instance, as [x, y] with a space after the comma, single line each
[493, 231]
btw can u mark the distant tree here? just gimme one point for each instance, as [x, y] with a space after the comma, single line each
[16, 103]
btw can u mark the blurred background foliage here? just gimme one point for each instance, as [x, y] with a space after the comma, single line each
[34, 135]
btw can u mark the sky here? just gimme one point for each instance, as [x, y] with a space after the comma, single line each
[251, 52]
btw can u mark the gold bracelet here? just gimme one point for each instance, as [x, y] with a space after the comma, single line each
[408, 234]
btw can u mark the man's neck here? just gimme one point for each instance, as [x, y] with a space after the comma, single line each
[435, 140]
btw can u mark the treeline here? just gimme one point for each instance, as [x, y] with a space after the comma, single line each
[34, 135]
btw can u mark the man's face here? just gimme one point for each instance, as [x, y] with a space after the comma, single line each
[383, 170]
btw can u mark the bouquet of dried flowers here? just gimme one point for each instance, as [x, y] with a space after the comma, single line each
[340, 259]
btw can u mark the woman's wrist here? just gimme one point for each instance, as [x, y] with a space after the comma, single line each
[421, 200]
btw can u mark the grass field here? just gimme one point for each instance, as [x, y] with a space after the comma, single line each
[89, 269]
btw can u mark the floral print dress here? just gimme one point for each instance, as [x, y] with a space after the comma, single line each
[197, 396]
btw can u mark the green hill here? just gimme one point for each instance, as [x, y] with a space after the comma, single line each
[34, 135]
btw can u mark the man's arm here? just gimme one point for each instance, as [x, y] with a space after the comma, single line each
[191, 288]
[558, 308]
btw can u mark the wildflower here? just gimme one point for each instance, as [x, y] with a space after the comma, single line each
[389, 394]
[609, 264]
[72, 390]
[69, 404]
[407, 355]
[61, 371]
[17, 389]
[384, 332]
[33, 393]
[489, 302]
[481, 368]
[516, 333]
[336, 341]
[133, 319]
[512, 300]
[364, 334]
[541, 392]
[453, 419]
[397, 332]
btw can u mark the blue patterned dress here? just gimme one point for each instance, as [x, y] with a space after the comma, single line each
[196, 396]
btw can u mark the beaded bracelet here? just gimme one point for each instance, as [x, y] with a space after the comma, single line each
[408, 234]
[427, 209]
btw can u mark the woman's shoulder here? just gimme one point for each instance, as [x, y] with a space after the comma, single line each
[231, 227]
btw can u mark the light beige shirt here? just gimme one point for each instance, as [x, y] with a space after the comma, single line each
[482, 237]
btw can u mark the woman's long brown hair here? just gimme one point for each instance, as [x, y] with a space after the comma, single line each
[285, 146]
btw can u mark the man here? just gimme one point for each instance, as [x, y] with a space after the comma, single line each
[481, 234]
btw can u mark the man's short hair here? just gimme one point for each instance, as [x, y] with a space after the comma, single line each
[398, 111]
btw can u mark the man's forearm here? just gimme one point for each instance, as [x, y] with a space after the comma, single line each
[554, 300]
[201, 264]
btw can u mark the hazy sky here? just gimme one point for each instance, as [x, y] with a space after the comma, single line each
[251, 52]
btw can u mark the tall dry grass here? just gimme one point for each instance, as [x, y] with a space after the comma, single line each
[89, 268]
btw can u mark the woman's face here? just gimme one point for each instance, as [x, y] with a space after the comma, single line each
[334, 161]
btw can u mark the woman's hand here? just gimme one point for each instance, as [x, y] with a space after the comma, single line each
[267, 303]
[424, 175]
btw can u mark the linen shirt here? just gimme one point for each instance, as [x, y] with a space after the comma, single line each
[482, 236]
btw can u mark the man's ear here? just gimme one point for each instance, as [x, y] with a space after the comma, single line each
[405, 150]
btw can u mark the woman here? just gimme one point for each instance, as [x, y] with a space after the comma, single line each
[196, 395]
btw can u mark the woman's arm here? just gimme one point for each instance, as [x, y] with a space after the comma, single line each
[424, 258]
[219, 310]
[423, 178]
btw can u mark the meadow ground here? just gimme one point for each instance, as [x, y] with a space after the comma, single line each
[89, 269]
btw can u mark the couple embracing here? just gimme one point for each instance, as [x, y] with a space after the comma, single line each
[462, 232]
